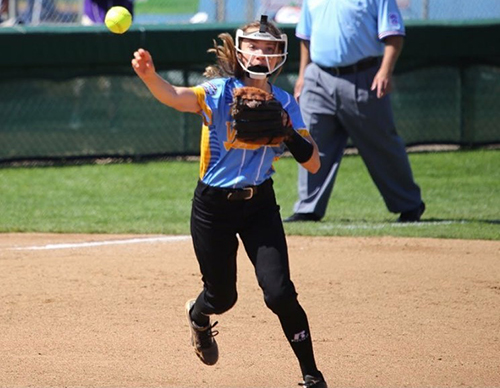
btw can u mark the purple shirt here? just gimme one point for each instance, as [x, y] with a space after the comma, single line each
[96, 10]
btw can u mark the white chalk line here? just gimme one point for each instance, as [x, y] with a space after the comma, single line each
[392, 225]
[106, 242]
[184, 238]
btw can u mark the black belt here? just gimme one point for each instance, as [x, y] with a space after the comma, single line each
[243, 194]
[364, 64]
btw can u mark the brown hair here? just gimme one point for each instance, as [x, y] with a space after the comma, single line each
[227, 64]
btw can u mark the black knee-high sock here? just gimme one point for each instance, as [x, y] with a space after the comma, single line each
[197, 316]
[296, 329]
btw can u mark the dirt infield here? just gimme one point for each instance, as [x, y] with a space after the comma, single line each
[384, 312]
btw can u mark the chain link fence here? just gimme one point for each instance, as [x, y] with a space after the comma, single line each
[37, 12]
[116, 116]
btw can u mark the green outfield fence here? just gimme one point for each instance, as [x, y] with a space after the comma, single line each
[69, 92]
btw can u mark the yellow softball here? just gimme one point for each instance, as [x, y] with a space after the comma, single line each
[118, 19]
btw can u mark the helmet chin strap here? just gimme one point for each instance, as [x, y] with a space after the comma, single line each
[258, 72]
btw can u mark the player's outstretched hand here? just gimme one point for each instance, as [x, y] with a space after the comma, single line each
[143, 64]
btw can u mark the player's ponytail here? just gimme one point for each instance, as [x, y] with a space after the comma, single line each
[226, 63]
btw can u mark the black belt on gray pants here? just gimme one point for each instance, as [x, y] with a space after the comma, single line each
[364, 64]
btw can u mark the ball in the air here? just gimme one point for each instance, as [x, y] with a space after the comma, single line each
[118, 19]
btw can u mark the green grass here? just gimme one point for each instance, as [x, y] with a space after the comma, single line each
[461, 190]
[166, 6]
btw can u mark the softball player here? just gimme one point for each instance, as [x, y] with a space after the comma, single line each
[235, 195]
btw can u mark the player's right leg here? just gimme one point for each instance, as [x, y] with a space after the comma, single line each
[202, 338]
[215, 244]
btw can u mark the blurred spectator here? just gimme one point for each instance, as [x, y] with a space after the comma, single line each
[4, 11]
[94, 11]
[282, 11]
[4, 7]
[200, 17]
[38, 11]
[288, 14]
[34, 12]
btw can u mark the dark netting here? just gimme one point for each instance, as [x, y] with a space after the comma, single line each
[91, 116]
[116, 115]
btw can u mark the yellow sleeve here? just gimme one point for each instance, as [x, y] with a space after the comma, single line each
[206, 112]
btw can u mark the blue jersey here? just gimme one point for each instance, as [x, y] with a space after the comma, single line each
[225, 161]
[343, 32]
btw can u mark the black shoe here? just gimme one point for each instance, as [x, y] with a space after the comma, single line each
[313, 382]
[202, 339]
[412, 215]
[299, 217]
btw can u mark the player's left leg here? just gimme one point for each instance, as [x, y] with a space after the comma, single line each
[265, 244]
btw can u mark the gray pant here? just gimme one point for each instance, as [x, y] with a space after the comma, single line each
[335, 108]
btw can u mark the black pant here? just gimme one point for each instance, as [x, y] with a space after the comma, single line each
[215, 222]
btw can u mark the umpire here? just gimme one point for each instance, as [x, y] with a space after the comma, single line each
[348, 54]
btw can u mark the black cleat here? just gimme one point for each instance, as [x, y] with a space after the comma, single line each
[412, 215]
[300, 217]
[313, 382]
[202, 338]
